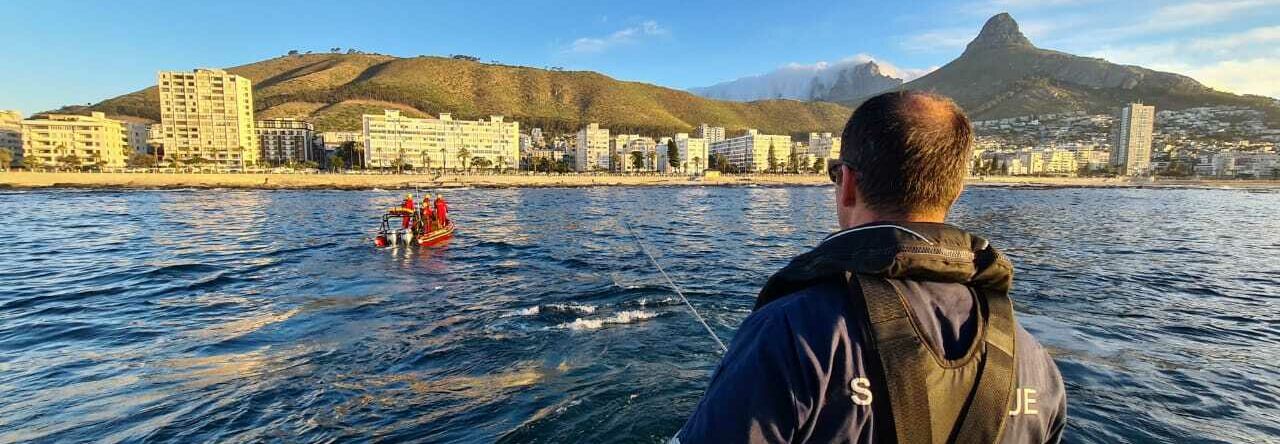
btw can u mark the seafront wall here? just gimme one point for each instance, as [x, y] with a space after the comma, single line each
[15, 179]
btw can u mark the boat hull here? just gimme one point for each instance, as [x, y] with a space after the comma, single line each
[435, 237]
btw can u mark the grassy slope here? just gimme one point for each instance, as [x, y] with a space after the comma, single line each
[333, 89]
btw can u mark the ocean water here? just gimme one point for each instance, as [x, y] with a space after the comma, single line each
[250, 316]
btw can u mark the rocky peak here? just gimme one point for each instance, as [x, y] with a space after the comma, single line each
[1000, 31]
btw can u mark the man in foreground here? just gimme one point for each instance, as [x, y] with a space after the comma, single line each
[898, 328]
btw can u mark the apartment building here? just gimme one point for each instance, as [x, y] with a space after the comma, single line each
[709, 133]
[138, 136]
[55, 140]
[591, 152]
[11, 134]
[1132, 154]
[691, 152]
[285, 141]
[752, 151]
[391, 140]
[207, 114]
[824, 146]
[330, 141]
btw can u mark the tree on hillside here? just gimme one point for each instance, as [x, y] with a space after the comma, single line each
[773, 159]
[673, 154]
[293, 52]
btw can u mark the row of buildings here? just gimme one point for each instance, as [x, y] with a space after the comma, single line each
[596, 150]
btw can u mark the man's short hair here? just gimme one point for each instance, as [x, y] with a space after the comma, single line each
[909, 151]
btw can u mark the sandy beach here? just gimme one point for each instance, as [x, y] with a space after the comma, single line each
[25, 180]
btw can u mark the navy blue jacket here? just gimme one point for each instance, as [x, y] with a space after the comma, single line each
[796, 370]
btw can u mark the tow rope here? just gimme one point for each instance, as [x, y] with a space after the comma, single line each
[675, 287]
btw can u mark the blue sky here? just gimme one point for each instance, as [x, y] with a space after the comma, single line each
[69, 52]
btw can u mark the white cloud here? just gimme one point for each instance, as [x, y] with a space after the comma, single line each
[1197, 13]
[1247, 62]
[586, 45]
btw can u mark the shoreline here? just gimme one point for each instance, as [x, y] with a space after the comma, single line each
[160, 181]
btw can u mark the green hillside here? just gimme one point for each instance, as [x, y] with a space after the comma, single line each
[333, 90]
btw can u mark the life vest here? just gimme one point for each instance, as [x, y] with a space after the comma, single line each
[929, 399]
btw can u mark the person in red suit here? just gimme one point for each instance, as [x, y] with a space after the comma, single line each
[408, 204]
[442, 210]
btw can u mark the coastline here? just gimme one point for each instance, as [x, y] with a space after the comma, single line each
[40, 180]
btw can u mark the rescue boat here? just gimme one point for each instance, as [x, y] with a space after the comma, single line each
[414, 234]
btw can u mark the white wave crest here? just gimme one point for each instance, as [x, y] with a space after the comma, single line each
[622, 317]
[563, 308]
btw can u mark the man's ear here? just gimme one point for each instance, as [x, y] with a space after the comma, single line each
[848, 187]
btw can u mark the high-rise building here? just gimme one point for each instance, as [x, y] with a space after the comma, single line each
[207, 114]
[624, 149]
[392, 140]
[592, 150]
[712, 134]
[1132, 152]
[754, 151]
[285, 141]
[67, 140]
[11, 134]
[691, 152]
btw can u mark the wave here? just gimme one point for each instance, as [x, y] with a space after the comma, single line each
[622, 317]
[553, 308]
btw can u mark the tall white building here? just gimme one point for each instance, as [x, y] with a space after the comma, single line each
[691, 152]
[712, 134]
[624, 148]
[392, 139]
[207, 114]
[1132, 153]
[751, 151]
[592, 150]
[286, 141]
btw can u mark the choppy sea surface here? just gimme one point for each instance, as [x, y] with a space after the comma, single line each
[249, 316]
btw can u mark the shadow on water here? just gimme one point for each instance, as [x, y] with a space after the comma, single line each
[256, 315]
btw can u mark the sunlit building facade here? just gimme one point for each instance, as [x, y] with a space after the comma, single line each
[591, 153]
[691, 154]
[285, 141]
[67, 140]
[752, 151]
[1132, 154]
[710, 133]
[11, 134]
[392, 140]
[207, 114]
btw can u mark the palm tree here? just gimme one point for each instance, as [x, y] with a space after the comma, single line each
[697, 162]
[502, 163]
[463, 155]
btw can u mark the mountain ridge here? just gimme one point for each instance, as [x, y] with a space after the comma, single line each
[1001, 73]
[334, 89]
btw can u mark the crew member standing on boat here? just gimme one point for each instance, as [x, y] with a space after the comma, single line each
[408, 205]
[428, 215]
[899, 327]
[442, 210]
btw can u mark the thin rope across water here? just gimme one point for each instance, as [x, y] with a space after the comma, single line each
[645, 249]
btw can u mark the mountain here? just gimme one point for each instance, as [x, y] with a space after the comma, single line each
[333, 90]
[1002, 74]
[846, 80]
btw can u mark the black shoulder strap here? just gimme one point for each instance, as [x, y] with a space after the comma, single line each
[902, 358]
[906, 365]
[996, 381]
